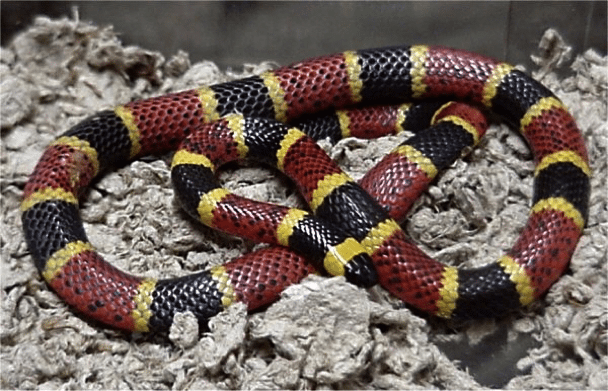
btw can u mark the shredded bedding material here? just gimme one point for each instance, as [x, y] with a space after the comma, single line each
[323, 333]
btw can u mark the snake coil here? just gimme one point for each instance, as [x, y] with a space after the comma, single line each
[351, 229]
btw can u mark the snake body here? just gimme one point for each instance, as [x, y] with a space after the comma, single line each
[352, 229]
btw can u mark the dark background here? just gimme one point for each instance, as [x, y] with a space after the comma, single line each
[232, 33]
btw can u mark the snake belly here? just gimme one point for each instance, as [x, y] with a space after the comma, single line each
[56, 238]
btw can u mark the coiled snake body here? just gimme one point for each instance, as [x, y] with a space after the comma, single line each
[352, 229]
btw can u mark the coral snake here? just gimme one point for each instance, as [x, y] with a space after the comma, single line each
[351, 228]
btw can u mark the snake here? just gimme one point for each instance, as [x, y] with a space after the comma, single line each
[352, 228]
